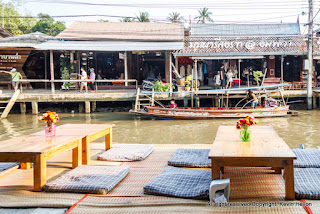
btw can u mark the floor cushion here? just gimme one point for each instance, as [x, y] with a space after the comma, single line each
[7, 167]
[127, 152]
[88, 179]
[307, 158]
[307, 183]
[179, 182]
[190, 158]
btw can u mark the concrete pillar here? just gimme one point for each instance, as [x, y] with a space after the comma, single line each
[34, 105]
[94, 106]
[197, 101]
[52, 72]
[87, 106]
[314, 101]
[185, 102]
[23, 108]
[126, 69]
[81, 107]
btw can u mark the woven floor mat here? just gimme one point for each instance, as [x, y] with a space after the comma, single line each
[81, 209]
[133, 184]
[22, 196]
[158, 158]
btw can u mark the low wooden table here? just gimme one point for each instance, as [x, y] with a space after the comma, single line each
[88, 133]
[266, 149]
[37, 150]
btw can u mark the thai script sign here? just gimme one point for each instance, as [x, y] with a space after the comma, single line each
[9, 57]
[287, 45]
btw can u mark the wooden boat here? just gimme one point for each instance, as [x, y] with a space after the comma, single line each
[211, 113]
[188, 113]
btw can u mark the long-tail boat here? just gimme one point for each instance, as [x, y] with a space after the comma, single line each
[278, 109]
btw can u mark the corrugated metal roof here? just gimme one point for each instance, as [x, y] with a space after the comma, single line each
[109, 46]
[129, 31]
[25, 40]
[245, 29]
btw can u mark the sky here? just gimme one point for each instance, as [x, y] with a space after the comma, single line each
[223, 11]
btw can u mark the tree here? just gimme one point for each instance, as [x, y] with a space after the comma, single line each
[14, 22]
[204, 15]
[126, 19]
[47, 25]
[175, 17]
[143, 17]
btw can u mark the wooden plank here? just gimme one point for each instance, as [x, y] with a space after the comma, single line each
[39, 172]
[10, 104]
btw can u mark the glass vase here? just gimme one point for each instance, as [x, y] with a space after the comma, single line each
[50, 129]
[245, 134]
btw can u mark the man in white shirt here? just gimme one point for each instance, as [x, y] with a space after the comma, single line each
[83, 76]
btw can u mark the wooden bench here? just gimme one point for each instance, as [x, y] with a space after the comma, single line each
[37, 150]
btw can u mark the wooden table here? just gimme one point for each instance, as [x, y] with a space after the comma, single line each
[266, 149]
[37, 150]
[88, 133]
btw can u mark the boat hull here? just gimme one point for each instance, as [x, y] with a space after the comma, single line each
[196, 114]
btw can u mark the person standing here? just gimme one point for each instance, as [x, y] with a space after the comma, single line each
[92, 78]
[229, 78]
[15, 77]
[83, 76]
[223, 79]
[217, 80]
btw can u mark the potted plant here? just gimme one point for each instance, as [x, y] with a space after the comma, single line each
[65, 69]
[187, 84]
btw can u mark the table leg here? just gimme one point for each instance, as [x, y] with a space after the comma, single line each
[109, 139]
[215, 167]
[76, 155]
[39, 172]
[25, 165]
[289, 180]
[85, 151]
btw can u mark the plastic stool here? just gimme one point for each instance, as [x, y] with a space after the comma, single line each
[216, 185]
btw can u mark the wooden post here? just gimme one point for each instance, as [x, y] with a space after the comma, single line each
[185, 102]
[52, 71]
[170, 71]
[87, 106]
[23, 108]
[282, 60]
[125, 69]
[76, 155]
[85, 151]
[197, 101]
[34, 105]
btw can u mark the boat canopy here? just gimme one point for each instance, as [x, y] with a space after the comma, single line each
[220, 91]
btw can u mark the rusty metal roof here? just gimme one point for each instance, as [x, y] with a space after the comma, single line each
[128, 31]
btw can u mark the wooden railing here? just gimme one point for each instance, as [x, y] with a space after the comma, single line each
[25, 81]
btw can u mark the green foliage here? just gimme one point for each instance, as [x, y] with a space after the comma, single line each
[204, 15]
[143, 17]
[16, 26]
[65, 68]
[256, 76]
[103, 20]
[47, 25]
[188, 81]
[126, 20]
[160, 87]
[175, 17]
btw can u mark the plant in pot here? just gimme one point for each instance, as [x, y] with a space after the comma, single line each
[187, 84]
[65, 69]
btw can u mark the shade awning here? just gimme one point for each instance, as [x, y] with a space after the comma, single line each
[228, 57]
[109, 46]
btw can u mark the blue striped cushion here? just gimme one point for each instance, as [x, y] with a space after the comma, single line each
[7, 167]
[190, 158]
[307, 158]
[307, 183]
[179, 182]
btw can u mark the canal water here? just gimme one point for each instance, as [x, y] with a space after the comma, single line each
[129, 129]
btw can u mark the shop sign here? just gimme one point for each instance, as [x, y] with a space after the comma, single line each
[122, 56]
[138, 52]
[9, 57]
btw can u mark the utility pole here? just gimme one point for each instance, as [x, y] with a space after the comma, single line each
[310, 56]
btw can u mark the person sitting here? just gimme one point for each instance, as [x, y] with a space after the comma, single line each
[252, 97]
[173, 104]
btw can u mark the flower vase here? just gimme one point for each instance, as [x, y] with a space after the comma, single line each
[50, 129]
[245, 134]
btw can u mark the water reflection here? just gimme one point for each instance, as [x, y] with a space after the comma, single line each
[128, 129]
